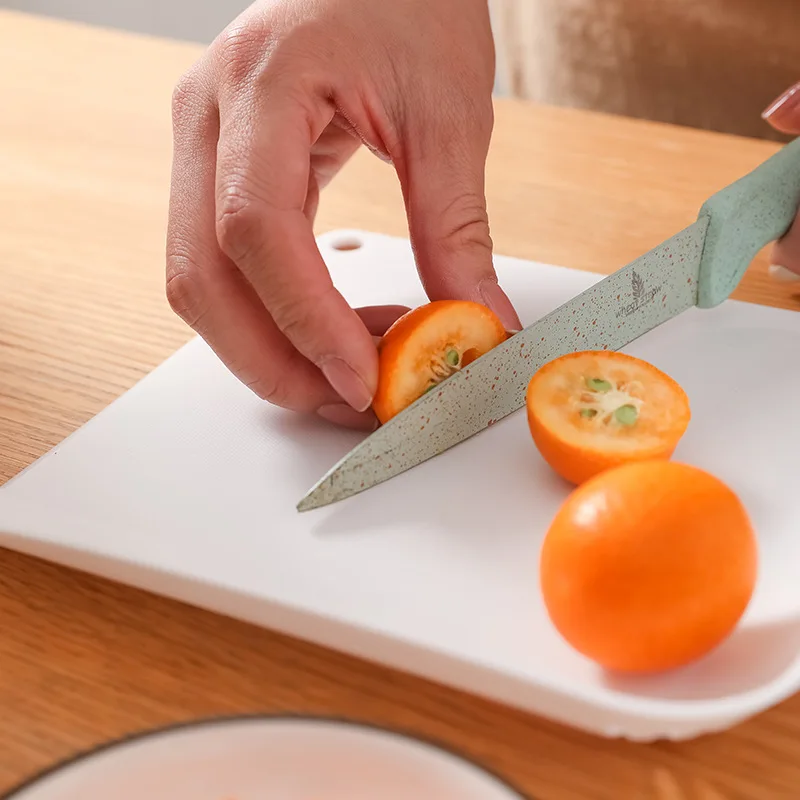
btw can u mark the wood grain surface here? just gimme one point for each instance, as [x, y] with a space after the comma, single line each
[84, 175]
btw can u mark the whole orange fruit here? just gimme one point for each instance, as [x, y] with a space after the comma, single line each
[648, 566]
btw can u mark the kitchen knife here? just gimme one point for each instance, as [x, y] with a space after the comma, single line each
[699, 266]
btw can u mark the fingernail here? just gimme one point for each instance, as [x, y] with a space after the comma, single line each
[347, 417]
[385, 157]
[787, 103]
[497, 300]
[781, 274]
[346, 381]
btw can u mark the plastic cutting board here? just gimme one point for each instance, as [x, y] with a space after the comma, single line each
[187, 486]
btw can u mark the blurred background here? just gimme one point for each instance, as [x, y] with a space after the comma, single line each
[711, 64]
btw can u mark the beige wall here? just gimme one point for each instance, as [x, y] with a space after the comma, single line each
[706, 63]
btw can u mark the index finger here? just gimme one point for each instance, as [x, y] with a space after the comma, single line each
[263, 172]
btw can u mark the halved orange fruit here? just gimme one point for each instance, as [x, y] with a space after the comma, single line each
[593, 410]
[427, 345]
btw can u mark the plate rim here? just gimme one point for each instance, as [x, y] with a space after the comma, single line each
[213, 721]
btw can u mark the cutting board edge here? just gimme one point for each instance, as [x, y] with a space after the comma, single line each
[656, 720]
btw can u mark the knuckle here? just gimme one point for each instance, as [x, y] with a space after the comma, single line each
[276, 391]
[237, 50]
[292, 316]
[297, 315]
[465, 222]
[186, 98]
[185, 293]
[239, 219]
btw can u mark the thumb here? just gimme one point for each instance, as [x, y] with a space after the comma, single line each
[442, 172]
[783, 114]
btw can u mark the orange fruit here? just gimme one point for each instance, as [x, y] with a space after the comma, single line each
[593, 410]
[648, 566]
[427, 345]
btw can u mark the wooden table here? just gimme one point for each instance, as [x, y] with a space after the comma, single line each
[84, 173]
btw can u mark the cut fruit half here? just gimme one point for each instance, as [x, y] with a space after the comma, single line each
[429, 344]
[593, 410]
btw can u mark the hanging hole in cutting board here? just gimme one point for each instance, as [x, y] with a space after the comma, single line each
[346, 243]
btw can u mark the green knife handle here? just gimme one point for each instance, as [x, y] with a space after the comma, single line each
[743, 218]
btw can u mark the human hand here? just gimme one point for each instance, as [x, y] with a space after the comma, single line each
[784, 115]
[264, 121]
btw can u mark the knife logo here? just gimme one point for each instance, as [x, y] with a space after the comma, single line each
[641, 295]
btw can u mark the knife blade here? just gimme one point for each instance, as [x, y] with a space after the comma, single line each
[608, 315]
[699, 266]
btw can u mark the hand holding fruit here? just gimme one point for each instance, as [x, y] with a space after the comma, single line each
[265, 119]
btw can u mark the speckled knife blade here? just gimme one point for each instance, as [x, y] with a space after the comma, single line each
[609, 315]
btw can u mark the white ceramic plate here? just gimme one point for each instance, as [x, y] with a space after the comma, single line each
[267, 758]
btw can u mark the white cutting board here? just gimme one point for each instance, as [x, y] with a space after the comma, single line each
[187, 486]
